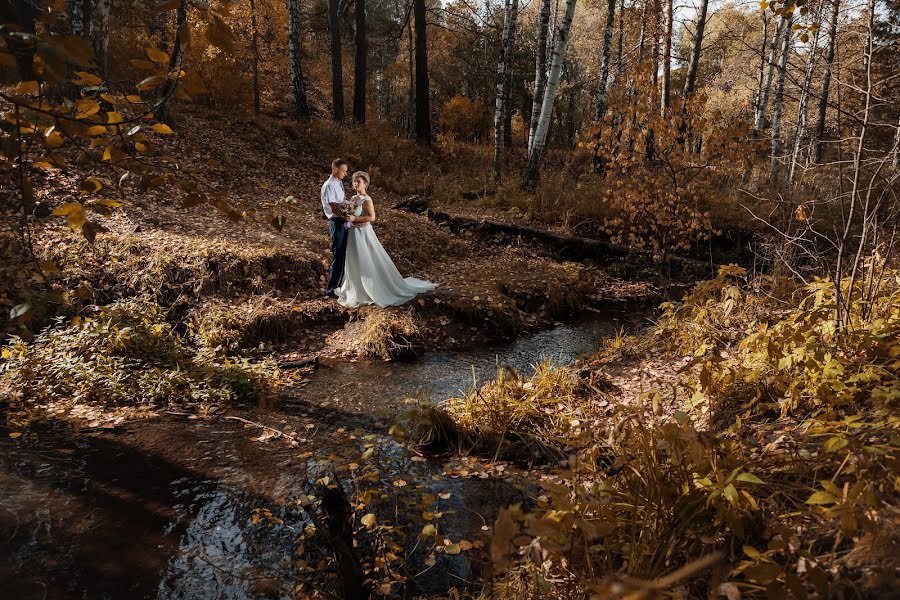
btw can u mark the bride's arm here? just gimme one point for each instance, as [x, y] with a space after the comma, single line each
[368, 215]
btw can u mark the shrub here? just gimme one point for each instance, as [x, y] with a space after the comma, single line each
[124, 354]
[464, 119]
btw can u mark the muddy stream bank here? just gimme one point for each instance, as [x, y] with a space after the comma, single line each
[164, 508]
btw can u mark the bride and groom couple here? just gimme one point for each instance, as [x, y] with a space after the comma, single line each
[361, 271]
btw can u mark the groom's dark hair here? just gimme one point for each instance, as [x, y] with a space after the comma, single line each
[338, 163]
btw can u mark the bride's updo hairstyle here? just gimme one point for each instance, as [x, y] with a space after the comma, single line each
[361, 175]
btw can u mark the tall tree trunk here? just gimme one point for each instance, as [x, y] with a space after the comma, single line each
[410, 47]
[359, 65]
[803, 103]
[175, 59]
[254, 51]
[654, 73]
[423, 103]
[500, 97]
[510, 69]
[819, 132]
[620, 60]
[337, 71]
[556, 61]
[757, 100]
[295, 55]
[642, 38]
[690, 82]
[896, 158]
[77, 10]
[23, 15]
[667, 58]
[540, 69]
[650, 143]
[759, 122]
[779, 99]
[99, 33]
[600, 100]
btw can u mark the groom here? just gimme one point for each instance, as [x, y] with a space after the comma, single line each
[332, 198]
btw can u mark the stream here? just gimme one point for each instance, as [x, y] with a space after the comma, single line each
[163, 508]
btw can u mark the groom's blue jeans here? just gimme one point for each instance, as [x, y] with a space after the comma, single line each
[338, 253]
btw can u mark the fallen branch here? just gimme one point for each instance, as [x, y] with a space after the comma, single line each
[255, 424]
[566, 247]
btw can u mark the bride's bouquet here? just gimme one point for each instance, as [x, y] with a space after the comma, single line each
[350, 208]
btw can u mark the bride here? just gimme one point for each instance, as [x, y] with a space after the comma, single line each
[370, 276]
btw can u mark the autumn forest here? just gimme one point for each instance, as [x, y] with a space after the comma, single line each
[451, 299]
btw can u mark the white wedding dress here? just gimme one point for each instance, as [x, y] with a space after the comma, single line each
[370, 276]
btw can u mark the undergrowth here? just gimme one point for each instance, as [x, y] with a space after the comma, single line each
[778, 479]
[125, 354]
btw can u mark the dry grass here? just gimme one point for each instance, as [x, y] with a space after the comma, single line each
[389, 334]
[538, 419]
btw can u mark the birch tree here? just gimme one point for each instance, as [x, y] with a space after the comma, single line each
[620, 62]
[563, 33]
[779, 97]
[500, 96]
[540, 69]
[760, 118]
[76, 10]
[757, 101]
[99, 33]
[803, 103]
[337, 76]
[602, 90]
[819, 130]
[667, 56]
[359, 64]
[510, 67]
[295, 56]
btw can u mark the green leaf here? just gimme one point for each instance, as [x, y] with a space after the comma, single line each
[821, 498]
[833, 444]
[731, 494]
[749, 478]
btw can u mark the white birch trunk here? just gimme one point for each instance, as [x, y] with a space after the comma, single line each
[760, 120]
[757, 101]
[99, 33]
[803, 104]
[295, 54]
[600, 100]
[779, 98]
[76, 10]
[540, 69]
[667, 57]
[556, 61]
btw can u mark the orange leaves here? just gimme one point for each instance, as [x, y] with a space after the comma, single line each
[87, 79]
[27, 87]
[162, 129]
[505, 529]
[157, 56]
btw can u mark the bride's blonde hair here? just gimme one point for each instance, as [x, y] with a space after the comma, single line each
[361, 175]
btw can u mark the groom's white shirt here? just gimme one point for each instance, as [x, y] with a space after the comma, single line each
[332, 191]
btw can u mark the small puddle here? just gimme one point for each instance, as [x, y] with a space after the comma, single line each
[163, 509]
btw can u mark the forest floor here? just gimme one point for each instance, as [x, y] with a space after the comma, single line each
[74, 482]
